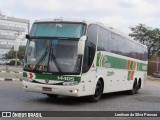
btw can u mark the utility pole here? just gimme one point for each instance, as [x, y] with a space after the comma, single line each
[16, 46]
[16, 58]
[157, 63]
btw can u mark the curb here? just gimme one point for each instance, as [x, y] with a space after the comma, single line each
[10, 72]
[10, 79]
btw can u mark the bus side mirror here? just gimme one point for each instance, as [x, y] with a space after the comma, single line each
[81, 45]
[83, 38]
[27, 36]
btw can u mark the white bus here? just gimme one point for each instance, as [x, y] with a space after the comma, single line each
[71, 57]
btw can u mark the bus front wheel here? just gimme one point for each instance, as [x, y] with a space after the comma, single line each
[98, 93]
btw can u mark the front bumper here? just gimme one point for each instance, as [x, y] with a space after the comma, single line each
[56, 89]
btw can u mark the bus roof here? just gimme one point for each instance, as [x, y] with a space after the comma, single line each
[88, 22]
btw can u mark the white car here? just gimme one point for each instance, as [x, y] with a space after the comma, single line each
[2, 62]
[156, 74]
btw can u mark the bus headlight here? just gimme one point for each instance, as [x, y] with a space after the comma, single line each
[27, 79]
[74, 91]
[70, 83]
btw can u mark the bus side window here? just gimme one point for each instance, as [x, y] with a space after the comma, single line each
[121, 45]
[140, 52]
[92, 33]
[102, 40]
[145, 54]
[86, 58]
[128, 48]
[113, 43]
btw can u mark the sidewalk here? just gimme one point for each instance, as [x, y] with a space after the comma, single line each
[152, 78]
[11, 68]
[10, 73]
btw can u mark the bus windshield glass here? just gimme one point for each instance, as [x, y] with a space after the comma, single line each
[56, 56]
[69, 30]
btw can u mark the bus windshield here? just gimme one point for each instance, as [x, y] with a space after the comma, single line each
[69, 30]
[57, 56]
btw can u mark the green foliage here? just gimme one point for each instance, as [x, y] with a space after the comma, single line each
[21, 52]
[12, 54]
[147, 36]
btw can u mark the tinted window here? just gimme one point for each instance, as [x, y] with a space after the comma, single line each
[103, 39]
[140, 53]
[121, 45]
[92, 33]
[134, 50]
[128, 48]
[109, 41]
[113, 42]
[86, 57]
[145, 53]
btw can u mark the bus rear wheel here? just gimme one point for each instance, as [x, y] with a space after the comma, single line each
[98, 93]
[134, 90]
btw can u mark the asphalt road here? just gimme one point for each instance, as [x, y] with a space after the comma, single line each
[14, 98]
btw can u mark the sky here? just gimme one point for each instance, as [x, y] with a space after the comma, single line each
[119, 14]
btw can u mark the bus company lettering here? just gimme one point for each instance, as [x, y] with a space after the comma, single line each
[110, 73]
[144, 67]
[65, 78]
[105, 62]
[102, 61]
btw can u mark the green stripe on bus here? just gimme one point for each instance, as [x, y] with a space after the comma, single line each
[54, 77]
[119, 63]
[141, 67]
[129, 74]
[98, 57]
[131, 65]
[24, 74]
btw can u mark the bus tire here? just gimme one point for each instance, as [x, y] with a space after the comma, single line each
[138, 85]
[52, 96]
[134, 90]
[98, 92]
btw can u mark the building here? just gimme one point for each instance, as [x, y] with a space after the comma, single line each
[153, 64]
[11, 30]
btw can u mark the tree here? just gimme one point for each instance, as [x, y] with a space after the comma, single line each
[147, 36]
[21, 52]
[12, 54]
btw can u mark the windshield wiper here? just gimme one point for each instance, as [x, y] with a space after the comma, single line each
[42, 57]
[55, 62]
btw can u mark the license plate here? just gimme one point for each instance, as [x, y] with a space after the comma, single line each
[46, 89]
